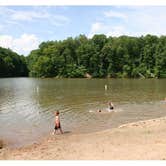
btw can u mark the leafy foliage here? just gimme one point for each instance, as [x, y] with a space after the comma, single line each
[11, 64]
[123, 56]
[100, 56]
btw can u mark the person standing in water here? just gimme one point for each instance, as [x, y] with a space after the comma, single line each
[111, 106]
[57, 123]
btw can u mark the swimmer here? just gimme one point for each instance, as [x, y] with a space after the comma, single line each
[111, 106]
[99, 110]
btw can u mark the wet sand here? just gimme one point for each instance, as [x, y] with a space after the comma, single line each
[143, 140]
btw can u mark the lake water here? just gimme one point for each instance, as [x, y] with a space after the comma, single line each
[27, 105]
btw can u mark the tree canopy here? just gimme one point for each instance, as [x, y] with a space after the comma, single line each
[100, 56]
[12, 64]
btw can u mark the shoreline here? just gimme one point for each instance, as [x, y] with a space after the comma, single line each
[133, 141]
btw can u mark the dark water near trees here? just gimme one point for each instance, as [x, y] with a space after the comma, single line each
[27, 105]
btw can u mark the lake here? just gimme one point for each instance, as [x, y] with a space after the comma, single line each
[27, 105]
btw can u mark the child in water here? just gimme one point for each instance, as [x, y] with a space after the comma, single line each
[57, 123]
[111, 106]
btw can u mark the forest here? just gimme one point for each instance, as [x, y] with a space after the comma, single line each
[12, 64]
[99, 57]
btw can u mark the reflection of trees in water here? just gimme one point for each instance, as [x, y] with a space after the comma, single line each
[69, 91]
[40, 94]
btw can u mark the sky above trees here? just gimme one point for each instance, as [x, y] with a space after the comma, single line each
[23, 28]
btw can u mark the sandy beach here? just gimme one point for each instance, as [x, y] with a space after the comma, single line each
[143, 140]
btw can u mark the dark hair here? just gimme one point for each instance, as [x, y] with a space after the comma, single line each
[57, 112]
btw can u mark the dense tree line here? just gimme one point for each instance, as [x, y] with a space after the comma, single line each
[100, 56]
[12, 64]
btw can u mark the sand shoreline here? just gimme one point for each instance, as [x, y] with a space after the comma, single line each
[133, 141]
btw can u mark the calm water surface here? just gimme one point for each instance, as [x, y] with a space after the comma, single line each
[27, 105]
